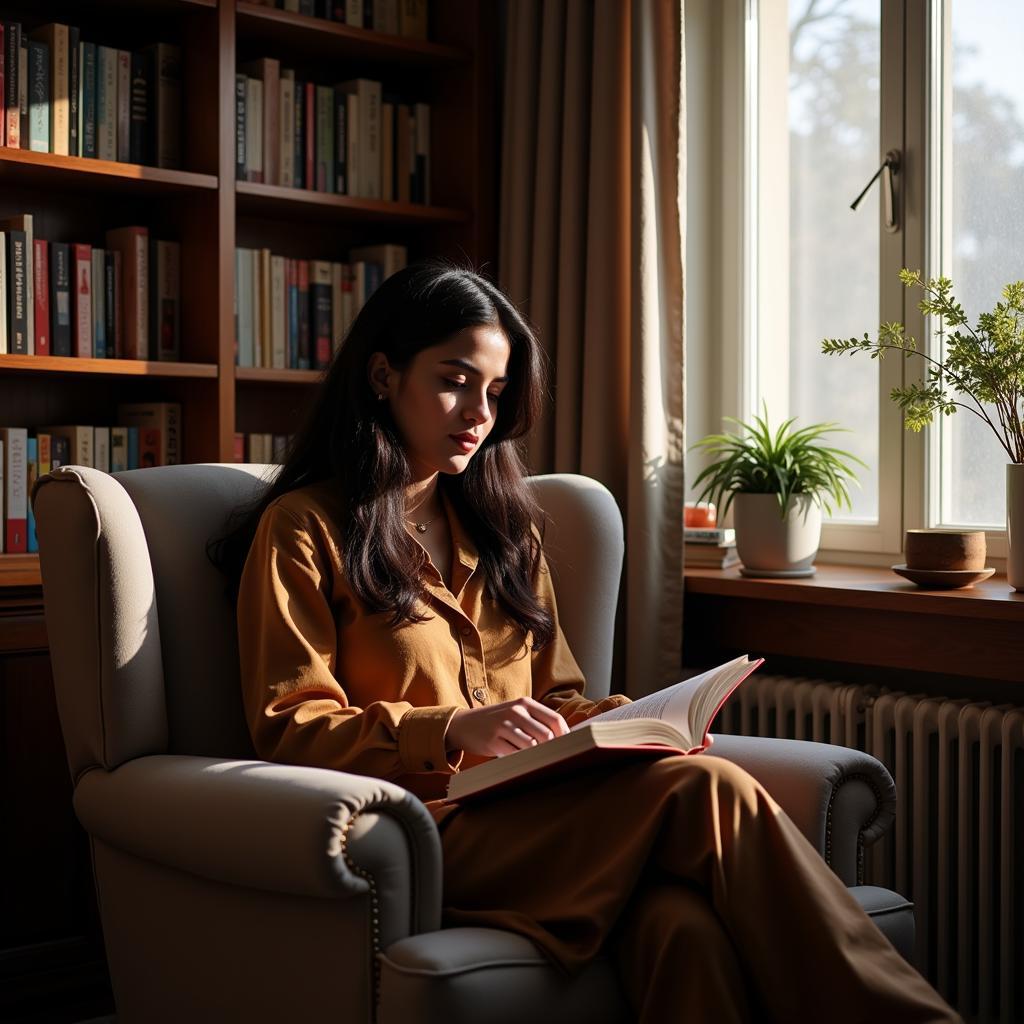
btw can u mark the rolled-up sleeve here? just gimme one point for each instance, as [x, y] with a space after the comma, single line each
[558, 682]
[297, 710]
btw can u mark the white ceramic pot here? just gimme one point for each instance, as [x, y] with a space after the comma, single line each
[768, 542]
[1015, 525]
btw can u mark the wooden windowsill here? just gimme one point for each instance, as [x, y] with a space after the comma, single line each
[859, 586]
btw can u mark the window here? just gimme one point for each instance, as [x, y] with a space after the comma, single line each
[839, 83]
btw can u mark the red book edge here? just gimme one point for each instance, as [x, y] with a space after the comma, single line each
[81, 254]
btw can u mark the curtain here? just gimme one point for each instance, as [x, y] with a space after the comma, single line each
[591, 237]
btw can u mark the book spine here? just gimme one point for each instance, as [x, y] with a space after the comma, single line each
[41, 296]
[60, 299]
[166, 298]
[31, 475]
[299, 157]
[110, 297]
[106, 103]
[423, 152]
[4, 344]
[278, 314]
[15, 498]
[23, 92]
[3, 87]
[292, 286]
[369, 138]
[57, 39]
[99, 314]
[74, 76]
[320, 299]
[304, 324]
[39, 96]
[324, 139]
[286, 142]
[165, 124]
[133, 244]
[133, 447]
[139, 108]
[310, 141]
[12, 99]
[124, 106]
[340, 143]
[254, 130]
[81, 263]
[87, 131]
[240, 127]
[17, 294]
[101, 449]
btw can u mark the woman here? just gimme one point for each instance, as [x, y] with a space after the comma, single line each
[396, 619]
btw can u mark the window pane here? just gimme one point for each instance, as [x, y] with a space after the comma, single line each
[983, 228]
[835, 73]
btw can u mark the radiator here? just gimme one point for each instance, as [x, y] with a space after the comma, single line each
[957, 846]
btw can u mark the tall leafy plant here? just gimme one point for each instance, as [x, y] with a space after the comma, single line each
[786, 463]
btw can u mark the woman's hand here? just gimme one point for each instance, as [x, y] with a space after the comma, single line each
[503, 728]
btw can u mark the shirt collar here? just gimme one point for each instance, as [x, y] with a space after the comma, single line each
[466, 553]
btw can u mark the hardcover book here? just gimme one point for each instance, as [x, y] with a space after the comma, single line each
[675, 720]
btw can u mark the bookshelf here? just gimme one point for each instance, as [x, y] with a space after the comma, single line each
[209, 213]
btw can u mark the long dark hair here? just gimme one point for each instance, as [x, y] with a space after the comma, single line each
[349, 437]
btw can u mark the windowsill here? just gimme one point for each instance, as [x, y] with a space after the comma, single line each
[863, 617]
[861, 586]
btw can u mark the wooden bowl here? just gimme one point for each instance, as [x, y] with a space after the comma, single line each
[946, 550]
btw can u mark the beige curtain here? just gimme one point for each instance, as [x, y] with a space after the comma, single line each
[591, 248]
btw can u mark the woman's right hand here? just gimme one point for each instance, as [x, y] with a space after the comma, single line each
[500, 729]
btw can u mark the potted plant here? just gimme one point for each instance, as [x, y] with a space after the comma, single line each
[984, 364]
[780, 482]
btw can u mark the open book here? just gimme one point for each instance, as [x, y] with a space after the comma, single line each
[674, 720]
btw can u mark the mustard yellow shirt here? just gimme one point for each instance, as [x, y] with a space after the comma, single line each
[328, 683]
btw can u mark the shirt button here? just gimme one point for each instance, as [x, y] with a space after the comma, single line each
[466, 631]
[429, 765]
[479, 694]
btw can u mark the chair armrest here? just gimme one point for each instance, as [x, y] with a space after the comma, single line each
[841, 799]
[282, 828]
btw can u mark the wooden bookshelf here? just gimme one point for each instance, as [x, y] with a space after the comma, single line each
[200, 205]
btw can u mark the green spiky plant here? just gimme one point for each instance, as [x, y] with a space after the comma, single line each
[983, 363]
[786, 463]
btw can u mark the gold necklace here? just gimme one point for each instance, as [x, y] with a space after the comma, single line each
[422, 527]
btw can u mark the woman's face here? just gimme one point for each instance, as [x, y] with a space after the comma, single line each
[445, 402]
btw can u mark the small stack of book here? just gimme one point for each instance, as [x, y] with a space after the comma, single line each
[147, 434]
[62, 94]
[292, 314]
[351, 138]
[262, 449]
[121, 300]
[709, 548]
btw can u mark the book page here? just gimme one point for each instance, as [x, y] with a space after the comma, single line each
[673, 703]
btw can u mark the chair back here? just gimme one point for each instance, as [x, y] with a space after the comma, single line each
[143, 638]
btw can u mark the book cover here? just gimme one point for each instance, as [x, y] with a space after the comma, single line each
[81, 270]
[309, 150]
[674, 720]
[149, 447]
[267, 70]
[324, 139]
[299, 156]
[164, 142]
[266, 315]
[364, 131]
[132, 243]
[162, 417]
[23, 222]
[709, 535]
[304, 320]
[246, 299]
[292, 283]
[111, 295]
[38, 96]
[60, 451]
[60, 299]
[165, 300]
[17, 295]
[254, 130]
[340, 142]
[74, 76]
[278, 314]
[240, 94]
[87, 99]
[286, 141]
[124, 106]
[41, 296]
[23, 92]
[15, 489]
[99, 302]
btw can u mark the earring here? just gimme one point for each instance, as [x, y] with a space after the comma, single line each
[381, 396]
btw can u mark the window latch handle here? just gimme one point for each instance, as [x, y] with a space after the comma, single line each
[889, 169]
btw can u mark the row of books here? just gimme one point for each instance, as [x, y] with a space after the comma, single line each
[262, 449]
[709, 548]
[396, 17]
[62, 94]
[121, 300]
[293, 314]
[147, 434]
[349, 138]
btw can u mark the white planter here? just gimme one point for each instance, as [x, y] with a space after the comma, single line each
[1015, 525]
[769, 543]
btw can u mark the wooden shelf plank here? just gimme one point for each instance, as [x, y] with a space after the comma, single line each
[103, 367]
[265, 375]
[319, 38]
[19, 571]
[23, 168]
[276, 200]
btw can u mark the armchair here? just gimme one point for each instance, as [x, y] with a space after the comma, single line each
[212, 865]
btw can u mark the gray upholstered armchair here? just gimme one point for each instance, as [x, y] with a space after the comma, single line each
[235, 889]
